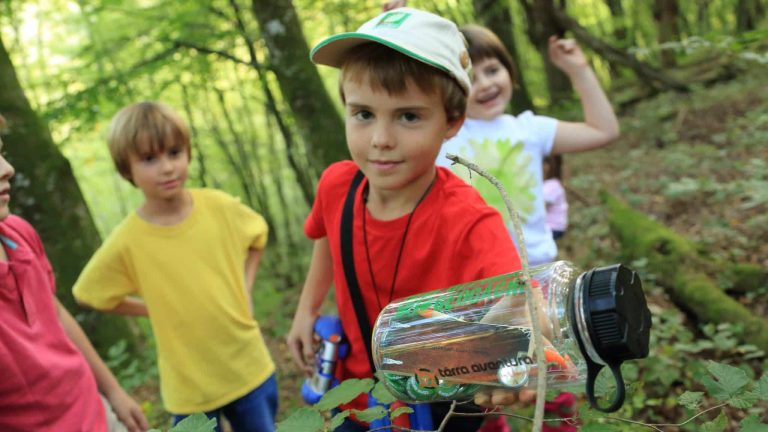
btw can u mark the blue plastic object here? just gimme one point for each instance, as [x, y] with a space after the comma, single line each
[332, 347]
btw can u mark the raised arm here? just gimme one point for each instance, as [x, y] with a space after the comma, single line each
[319, 277]
[600, 126]
[126, 409]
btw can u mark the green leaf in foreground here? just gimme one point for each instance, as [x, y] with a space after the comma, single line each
[752, 424]
[690, 399]
[195, 423]
[728, 382]
[381, 394]
[717, 425]
[599, 427]
[302, 420]
[338, 419]
[343, 393]
[400, 411]
[371, 414]
[761, 387]
[744, 400]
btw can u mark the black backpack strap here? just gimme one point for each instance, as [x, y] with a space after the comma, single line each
[348, 262]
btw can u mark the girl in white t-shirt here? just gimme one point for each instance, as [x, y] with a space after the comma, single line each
[512, 148]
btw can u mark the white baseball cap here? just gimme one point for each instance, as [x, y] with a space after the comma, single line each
[421, 35]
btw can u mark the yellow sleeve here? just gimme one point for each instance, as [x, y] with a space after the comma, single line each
[106, 280]
[254, 228]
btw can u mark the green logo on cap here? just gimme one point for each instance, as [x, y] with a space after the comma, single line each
[393, 19]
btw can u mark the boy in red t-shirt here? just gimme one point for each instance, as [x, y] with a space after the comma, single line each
[415, 227]
[50, 375]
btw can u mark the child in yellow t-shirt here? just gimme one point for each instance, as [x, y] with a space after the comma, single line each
[186, 258]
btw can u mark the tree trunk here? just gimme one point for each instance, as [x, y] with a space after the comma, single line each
[316, 116]
[681, 271]
[619, 24]
[702, 16]
[649, 75]
[748, 14]
[665, 12]
[303, 172]
[623, 38]
[497, 17]
[46, 194]
[541, 25]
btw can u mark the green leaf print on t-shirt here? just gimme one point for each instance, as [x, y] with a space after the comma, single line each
[509, 164]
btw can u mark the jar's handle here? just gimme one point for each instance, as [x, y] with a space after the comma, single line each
[593, 369]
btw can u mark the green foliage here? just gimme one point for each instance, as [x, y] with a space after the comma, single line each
[195, 423]
[717, 425]
[400, 411]
[131, 371]
[381, 393]
[752, 424]
[690, 400]
[599, 427]
[80, 61]
[302, 420]
[727, 384]
[344, 392]
[311, 419]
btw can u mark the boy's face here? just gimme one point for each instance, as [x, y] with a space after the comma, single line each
[6, 172]
[491, 89]
[160, 175]
[395, 139]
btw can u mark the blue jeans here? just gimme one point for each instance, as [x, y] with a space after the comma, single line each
[254, 412]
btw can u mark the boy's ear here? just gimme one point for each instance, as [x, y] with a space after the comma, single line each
[454, 126]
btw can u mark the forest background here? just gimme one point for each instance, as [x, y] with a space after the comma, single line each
[682, 197]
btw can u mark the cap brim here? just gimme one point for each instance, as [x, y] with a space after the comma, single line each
[331, 51]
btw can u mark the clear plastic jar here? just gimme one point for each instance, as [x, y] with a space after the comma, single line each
[449, 344]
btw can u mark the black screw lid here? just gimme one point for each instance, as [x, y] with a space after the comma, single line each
[617, 324]
[616, 314]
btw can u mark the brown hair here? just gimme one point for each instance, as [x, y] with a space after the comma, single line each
[145, 127]
[389, 70]
[2, 123]
[483, 44]
[555, 163]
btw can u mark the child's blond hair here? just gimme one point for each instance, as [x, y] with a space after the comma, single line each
[145, 128]
[389, 70]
